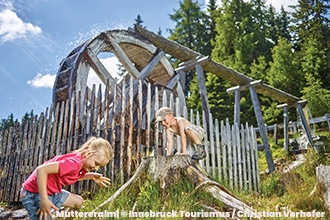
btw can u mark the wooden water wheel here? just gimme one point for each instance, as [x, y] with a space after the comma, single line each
[138, 57]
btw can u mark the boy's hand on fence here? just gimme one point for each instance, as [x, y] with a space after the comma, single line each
[44, 210]
[101, 180]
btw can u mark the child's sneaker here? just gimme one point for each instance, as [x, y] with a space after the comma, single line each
[199, 152]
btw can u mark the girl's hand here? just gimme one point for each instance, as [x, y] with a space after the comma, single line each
[44, 210]
[101, 180]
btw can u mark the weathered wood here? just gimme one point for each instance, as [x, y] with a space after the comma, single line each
[151, 65]
[65, 126]
[262, 129]
[237, 107]
[304, 121]
[203, 96]
[323, 183]
[169, 170]
[121, 55]
[285, 125]
[184, 53]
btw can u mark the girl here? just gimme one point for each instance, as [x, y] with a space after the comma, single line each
[42, 191]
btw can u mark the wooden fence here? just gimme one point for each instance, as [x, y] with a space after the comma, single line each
[127, 122]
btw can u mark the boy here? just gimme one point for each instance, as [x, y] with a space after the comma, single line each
[184, 128]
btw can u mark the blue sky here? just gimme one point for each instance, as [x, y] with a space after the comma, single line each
[35, 35]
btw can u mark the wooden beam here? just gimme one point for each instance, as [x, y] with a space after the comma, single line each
[98, 67]
[173, 81]
[151, 65]
[262, 130]
[122, 57]
[203, 94]
[243, 87]
[304, 122]
[190, 64]
[184, 53]
[285, 125]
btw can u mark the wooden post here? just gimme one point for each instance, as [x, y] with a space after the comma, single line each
[304, 121]
[285, 125]
[262, 129]
[237, 107]
[203, 94]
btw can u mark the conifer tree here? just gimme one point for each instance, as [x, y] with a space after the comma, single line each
[317, 96]
[311, 21]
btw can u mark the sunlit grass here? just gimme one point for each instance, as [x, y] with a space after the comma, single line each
[279, 192]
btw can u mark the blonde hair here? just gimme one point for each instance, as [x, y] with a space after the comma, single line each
[99, 145]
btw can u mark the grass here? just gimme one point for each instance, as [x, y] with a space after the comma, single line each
[279, 192]
[146, 196]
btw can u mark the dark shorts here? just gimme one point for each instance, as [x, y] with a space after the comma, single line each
[31, 202]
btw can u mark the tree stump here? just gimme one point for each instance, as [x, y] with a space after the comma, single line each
[323, 182]
[168, 170]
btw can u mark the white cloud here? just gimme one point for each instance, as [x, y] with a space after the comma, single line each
[48, 80]
[12, 27]
[42, 81]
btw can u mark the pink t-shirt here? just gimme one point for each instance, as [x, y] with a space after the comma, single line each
[70, 171]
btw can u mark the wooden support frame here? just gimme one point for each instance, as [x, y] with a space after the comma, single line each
[203, 94]
[304, 121]
[262, 129]
[285, 125]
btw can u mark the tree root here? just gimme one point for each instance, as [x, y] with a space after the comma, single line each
[171, 168]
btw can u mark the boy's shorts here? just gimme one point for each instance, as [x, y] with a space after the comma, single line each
[198, 130]
[31, 202]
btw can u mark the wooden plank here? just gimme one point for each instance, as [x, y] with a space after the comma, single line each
[224, 151]
[139, 122]
[160, 151]
[59, 130]
[254, 160]
[235, 161]
[218, 148]
[130, 129]
[206, 162]
[248, 154]
[122, 135]
[54, 132]
[212, 145]
[239, 157]
[3, 156]
[257, 179]
[244, 158]
[148, 121]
